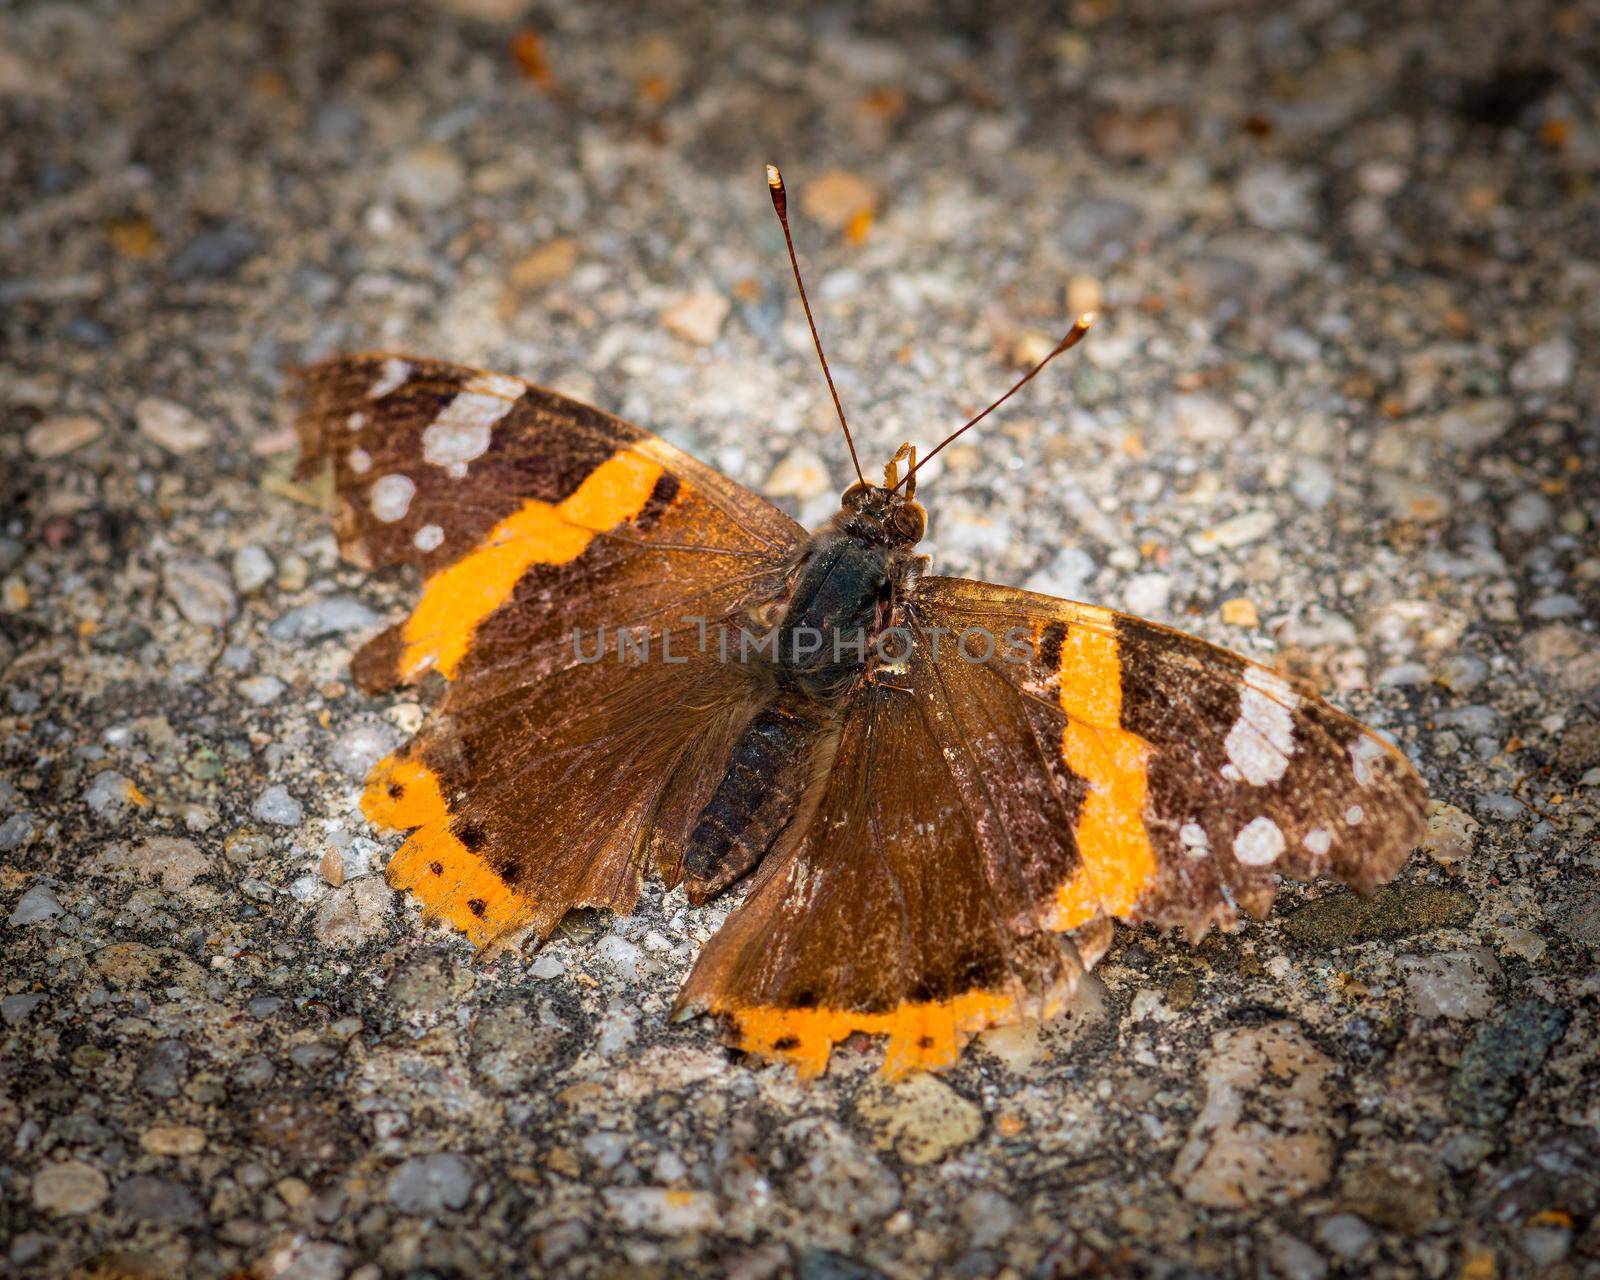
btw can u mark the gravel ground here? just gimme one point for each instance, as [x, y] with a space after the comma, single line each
[1335, 416]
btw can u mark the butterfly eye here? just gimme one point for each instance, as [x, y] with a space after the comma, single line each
[909, 521]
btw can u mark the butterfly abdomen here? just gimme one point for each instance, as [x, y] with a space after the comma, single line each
[758, 796]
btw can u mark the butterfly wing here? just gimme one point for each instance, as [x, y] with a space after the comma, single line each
[546, 779]
[1038, 768]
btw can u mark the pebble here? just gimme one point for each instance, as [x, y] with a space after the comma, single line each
[1565, 658]
[215, 252]
[56, 436]
[427, 1186]
[69, 1187]
[697, 318]
[623, 956]
[173, 1140]
[1236, 531]
[1392, 911]
[163, 1068]
[1293, 1259]
[1528, 512]
[1557, 605]
[1205, 419]
[331, 617]
[1502, 1057]
[146, 1198]
[662, 1210]
[427, 177]
[17, 832]
[547, 965]
[1147, 594]
[355, 913]
[1473, 424]
[361, 746]
[920, 1118]
[1099, 227]
[202, 591]
[1265, 1132]
[801, 474]
[1459, 985]
[1547, 366]
[836, 198]
[170, 425]
[175, 861]
[277, 806]
[510, 1051]
[16, 1009]
[252, 569]
[35, 906]
[1450, 835]
[1345, 1235]
[261, 690]
[1067, 576]
[1277, 197]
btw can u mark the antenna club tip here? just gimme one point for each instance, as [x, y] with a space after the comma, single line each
[1087, 319]
[774, 178]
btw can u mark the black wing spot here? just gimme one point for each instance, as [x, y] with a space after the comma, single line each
[437, 868]
[477, 906]
[925, 1042]
[471, 834]
[784, 1043]
[396, 790]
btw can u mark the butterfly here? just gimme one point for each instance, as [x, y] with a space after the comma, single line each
[937, 820]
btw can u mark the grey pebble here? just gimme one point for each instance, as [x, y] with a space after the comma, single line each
[215, 252]
[252, 569]
[147, 1198]
[333, 616]
[261, 690]
[1546, 366]
[1277, 197]
[35, 906]
[361, 746]
[202, 591]
[425, 1186]
[1556, 605]
[18, 831]
[16, 1008]
[277, 806]
[1498, 804]
[1293, 1259]
[1345, 1235]
[163, 1068]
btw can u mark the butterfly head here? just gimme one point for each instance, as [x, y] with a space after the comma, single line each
[887, 512]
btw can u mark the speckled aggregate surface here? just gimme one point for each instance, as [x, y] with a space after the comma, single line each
[1339, 414]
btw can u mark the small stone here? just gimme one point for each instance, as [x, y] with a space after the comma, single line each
[1099, 227]
[17, 832]
[623, 956]
[331, 617]
[1345, 1235]
[1240, 612]
[163, 1068]
[174, 1140]
[1473, 424]
[1147, 594]
[252, 569]
[215, 252]
[173, 860]
[202, 591]
[802, 474]
[697, 318]
[1548, 366]
[170, 425]
[35, 906]
[511, 1051]
[277, 806]
[53, 437]
[1564, 658]
[1555, 606]
[1399, 1192]
[1237, 531]
[1276, 197]
[1205, 419]
[69, 1188]
[1392, 911]
[1067, 576]
[922, 1119]
[1265, 1132]
[261, 690]
[837, 198]
[427, 1186]
[1451, 833]
[1503, 1056]
[361, 746]
[354, 914]
[1459, 985]
[1294, 1259]
[15, 1009]
[1545, 1246]
[428, 177]
[663, 1210]
[550, 262]
[547, 966]
[146, 1198]
[1529, 512]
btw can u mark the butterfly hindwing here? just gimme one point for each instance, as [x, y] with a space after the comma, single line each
[551, 772]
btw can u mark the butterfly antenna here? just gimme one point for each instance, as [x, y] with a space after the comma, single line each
[1074, 336]
[780, 202]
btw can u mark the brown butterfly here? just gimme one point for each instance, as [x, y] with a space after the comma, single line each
[938, 818]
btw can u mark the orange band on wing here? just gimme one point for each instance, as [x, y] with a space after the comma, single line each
[1116, 861]
[456, 600]
[922, 1036]
[447, 878]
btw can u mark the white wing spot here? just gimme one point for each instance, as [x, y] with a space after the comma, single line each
[355, 421]
[1262, 739]
[392, 374]
[1363, 751]
[360, 461]
[391, 497]
[1354, 814]
[1259, 844]
[1192, 836]
[1318, 841]
[428, 537]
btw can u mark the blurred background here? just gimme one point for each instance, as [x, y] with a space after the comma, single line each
[1337, 414]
